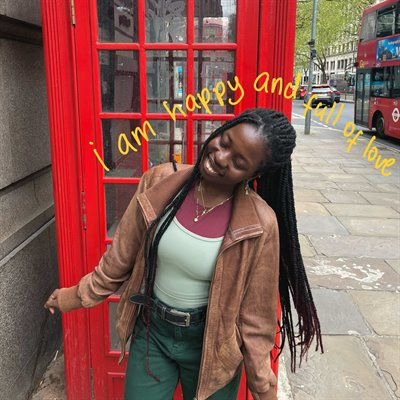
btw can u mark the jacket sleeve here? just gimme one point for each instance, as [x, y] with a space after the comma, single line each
[258, 318]
[115, 265]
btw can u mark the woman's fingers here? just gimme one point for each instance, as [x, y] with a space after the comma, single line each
[52, 302]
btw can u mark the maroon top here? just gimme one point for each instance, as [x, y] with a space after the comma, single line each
[211, 225]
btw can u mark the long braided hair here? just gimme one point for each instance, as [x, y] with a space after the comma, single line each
[274, 184]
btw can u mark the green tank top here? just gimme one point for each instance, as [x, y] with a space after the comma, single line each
[185, 267]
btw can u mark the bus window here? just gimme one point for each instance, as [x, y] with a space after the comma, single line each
[362, 97]
[397, 29]
[385, 22]
[396, 82]
[368, 27]
[381, 82]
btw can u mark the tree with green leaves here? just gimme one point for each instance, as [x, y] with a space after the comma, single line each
[337, 20]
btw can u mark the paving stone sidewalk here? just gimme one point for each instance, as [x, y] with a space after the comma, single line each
[348, 218]
[349, 221]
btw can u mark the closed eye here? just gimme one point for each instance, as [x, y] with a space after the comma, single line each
[238, 164]
[222, 143]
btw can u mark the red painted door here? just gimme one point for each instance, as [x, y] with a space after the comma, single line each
[110, 65]
[135, 61]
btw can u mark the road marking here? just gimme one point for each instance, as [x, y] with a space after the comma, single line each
[313, 120]
[362, 139]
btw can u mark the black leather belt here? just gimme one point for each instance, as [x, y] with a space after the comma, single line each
[165, 313]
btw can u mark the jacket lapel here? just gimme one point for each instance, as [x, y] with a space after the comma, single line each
[154, 200]
[244, 222]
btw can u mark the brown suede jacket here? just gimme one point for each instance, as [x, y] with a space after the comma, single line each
[242, 307]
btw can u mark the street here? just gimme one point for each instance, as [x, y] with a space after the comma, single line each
[346, 116]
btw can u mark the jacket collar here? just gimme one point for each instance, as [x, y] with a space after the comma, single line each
[244, 222]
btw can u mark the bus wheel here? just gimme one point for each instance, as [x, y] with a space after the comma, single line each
[380, 126]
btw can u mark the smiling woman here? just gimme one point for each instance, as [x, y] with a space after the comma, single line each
[212, 256]
[230, 158]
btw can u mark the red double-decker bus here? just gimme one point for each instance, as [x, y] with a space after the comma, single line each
[377, 96]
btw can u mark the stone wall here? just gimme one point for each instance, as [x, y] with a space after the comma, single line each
[29, 337]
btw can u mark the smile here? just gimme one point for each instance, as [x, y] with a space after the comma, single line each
[209, 168]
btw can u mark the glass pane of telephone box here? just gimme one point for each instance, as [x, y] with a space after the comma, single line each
[169, 143]
[119, 131]
[165, 21]
[215, 21]
[211, 67]
[166, 79]
[117, 199]
[202, 130]
[117, 21]
[119, 81]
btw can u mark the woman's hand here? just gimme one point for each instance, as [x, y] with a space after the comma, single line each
[270, 395]
[52, 301]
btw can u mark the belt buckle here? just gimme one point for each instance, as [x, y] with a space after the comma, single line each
[181, 314]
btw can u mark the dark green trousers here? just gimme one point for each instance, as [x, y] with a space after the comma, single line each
[174, 355]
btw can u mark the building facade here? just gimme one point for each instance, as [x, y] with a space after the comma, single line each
[339, 65]
[29, 337]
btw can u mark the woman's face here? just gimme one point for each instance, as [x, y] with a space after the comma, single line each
[234, 156]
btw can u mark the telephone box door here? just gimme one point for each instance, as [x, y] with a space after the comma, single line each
[113, 67]
[138, 61]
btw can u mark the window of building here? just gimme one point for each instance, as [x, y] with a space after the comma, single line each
[368, 27]
[385, 22]
[345, 63]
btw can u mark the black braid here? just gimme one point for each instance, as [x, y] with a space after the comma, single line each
[275, 186]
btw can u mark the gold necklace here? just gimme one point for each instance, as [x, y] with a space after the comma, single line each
[205, 210]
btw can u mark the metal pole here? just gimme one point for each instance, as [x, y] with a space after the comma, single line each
[310, 69]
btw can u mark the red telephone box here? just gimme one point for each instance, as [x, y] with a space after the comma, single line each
[111, 66]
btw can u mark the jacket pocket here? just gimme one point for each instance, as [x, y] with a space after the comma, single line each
[229, 353]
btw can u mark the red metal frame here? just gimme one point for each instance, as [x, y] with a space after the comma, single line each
[75, 120]
[278, 19]
[58, 39]
[276, 49]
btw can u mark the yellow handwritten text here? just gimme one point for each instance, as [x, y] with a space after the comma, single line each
[262, 83]
[99, 158]
[371, 154]
[233, 92]
[202, 99]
